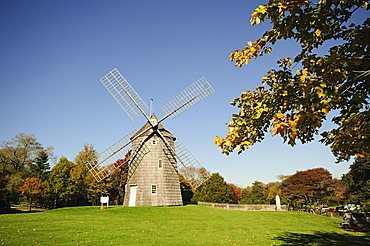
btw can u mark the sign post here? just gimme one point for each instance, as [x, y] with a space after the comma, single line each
[104, 199]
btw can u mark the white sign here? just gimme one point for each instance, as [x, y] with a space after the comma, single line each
[104, 199]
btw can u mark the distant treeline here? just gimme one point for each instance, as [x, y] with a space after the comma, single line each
[25, 176]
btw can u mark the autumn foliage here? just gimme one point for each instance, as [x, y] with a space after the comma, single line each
[31, 189]
[311, 187]
[294, 100]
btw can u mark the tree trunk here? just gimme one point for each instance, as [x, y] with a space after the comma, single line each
[30, 204]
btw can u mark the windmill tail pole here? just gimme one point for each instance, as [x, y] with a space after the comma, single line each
[151, 107]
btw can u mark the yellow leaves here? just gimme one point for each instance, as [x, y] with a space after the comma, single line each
[258, 15]
[360, 155]
[285, 93]
[248, 52]
[304, 73]
[282, 5]
[259, 109]
[292, 136]
[286, 62]
[318, 32]
[262, 9]
[320, 92]
[293, 123]
[279, 125]
[287, 126]
[243, 60]
[326, 102]
[234, 55]
[217, 140]
[280, 116]
[325, 111]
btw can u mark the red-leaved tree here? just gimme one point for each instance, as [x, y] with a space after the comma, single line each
[31, 189]
[237, 191]
[310, 187]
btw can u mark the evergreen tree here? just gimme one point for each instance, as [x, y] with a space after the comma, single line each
[41, 165]
[358, 181]
[215, 189]
[255, 194]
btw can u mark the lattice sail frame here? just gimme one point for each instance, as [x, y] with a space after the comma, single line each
[106, 162]
[188, 97]
[124, 94]
[190, 167]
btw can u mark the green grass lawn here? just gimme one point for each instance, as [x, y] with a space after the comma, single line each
[188, 225]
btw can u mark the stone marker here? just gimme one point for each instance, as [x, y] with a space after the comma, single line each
[278, 206]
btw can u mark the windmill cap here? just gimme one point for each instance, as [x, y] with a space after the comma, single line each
[159, 127]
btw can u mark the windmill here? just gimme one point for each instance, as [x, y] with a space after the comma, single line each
[154, 156]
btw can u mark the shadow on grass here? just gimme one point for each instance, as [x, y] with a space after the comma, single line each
[322, 238]
[21, 211]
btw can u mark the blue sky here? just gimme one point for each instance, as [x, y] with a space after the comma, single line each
[52, 54]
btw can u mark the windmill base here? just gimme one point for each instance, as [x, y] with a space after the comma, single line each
[136, 196]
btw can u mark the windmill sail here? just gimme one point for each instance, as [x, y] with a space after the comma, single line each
[190, 167]
[109, 160]
[124, 94]
[136, 158]
[191, 95]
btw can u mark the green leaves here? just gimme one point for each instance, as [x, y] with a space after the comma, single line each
[215, 189]
[294, 104]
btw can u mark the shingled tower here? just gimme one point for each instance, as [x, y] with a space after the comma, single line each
[154, 181]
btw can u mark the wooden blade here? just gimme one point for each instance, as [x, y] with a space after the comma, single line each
[191, 95]
[106, 162]
[124, 94]
[136, 158]
[190, 167]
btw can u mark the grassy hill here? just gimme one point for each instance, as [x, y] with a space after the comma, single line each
[188, 225]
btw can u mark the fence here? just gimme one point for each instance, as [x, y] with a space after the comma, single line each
[243, 207]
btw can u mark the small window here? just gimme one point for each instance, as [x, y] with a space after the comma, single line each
[160, 164]
[154, 189]
[154, 142]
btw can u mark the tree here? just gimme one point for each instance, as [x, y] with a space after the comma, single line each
[215, 189]
[19, 152]
[4, 192]
[31, 189]
[358, 180]
[19, 159]
[255, 194]
[186, 190]
[41, 165]
[237, 192]
[308, 188]
[271, 190]
[294, 100]
[59, 186]
[85, 186]
[340, 193]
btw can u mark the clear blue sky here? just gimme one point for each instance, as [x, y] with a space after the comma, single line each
[52, 54]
